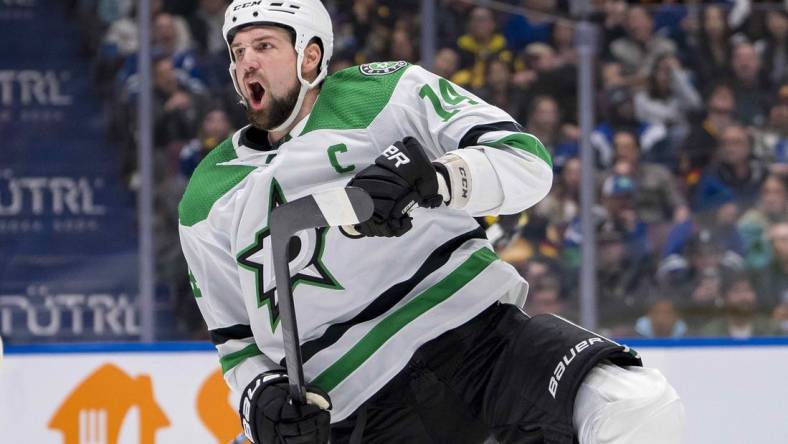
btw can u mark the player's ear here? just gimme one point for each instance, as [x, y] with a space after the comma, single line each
[313, 55]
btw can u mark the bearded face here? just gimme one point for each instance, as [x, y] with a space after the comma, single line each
[277, 112]
[265, 67]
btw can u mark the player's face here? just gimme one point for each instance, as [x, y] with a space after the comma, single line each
[265, 66]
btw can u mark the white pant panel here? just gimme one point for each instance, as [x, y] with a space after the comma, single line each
[627, 405]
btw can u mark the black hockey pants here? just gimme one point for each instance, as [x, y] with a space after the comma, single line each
[502, 374]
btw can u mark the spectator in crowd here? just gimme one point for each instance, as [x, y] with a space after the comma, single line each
[166, 42]
[668, 98]
[661, 321]
[214, 129]
[561, 206]
[499, 90]
[541, 268]
[703, 302]
[122, 38]
[371, 25]
[771, 141]
[178, 104]
[520, 30]
[774, 46]
[563, 40]
[750, 84]
[544, 296]
[544, 75]
[658, 200]
[710, 47]
[706, 241]
[734, 174]
[622, 285]
[120, 42]
[612, 76]
[754, 225]
[480, 45]
[622, 251]
[453, 22]
[619, 215]
[619, 115]
[741, 319]
[402, 47]
[673, 20]
[446, 63]
[698, 148]
[612, 18]
[772, 280]
[543, 120]
[205, 25]
[780, 319]
[639, 49]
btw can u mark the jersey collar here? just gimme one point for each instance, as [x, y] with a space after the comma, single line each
[257, 139]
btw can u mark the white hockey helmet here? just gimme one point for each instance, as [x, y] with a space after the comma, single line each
[307, 18]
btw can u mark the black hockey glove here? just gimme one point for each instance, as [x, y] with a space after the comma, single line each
[401, 178]
[268, 415]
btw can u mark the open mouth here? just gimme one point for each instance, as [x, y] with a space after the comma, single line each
[257, 92]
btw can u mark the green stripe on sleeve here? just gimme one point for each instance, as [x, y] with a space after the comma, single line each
[396, 321]
[524, 142]
[233, 359]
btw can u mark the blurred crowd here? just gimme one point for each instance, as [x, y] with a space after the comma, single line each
[690, 141]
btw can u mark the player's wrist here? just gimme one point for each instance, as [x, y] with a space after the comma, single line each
[454, 180]
[444, 186]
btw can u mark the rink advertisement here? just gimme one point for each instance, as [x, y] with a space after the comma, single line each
[68, 259]
[174, 392]
[116, 398]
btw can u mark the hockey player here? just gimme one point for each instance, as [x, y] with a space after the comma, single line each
[406, 326]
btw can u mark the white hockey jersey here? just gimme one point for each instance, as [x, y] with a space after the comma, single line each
[363, 305]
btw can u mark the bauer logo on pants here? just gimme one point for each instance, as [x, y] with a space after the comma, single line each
[566, 361]
[95, 411]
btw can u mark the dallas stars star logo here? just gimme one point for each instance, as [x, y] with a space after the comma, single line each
[305, 254]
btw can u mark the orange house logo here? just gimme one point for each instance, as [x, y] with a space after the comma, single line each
[94, 412]
[214, 410]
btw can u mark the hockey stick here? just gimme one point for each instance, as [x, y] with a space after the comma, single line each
[331, 208]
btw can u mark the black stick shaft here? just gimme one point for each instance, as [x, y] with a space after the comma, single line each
[308, 212]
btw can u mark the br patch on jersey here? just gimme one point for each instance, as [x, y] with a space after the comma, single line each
[381, 68]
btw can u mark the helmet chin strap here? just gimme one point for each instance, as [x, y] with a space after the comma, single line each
[305, 86]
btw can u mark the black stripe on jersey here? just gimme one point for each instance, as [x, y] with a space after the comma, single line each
[224, 334]
[471, 138]
[391, 296]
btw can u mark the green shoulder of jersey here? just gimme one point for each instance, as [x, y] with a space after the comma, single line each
[349, 99]
[353, 97]
[210, 182]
